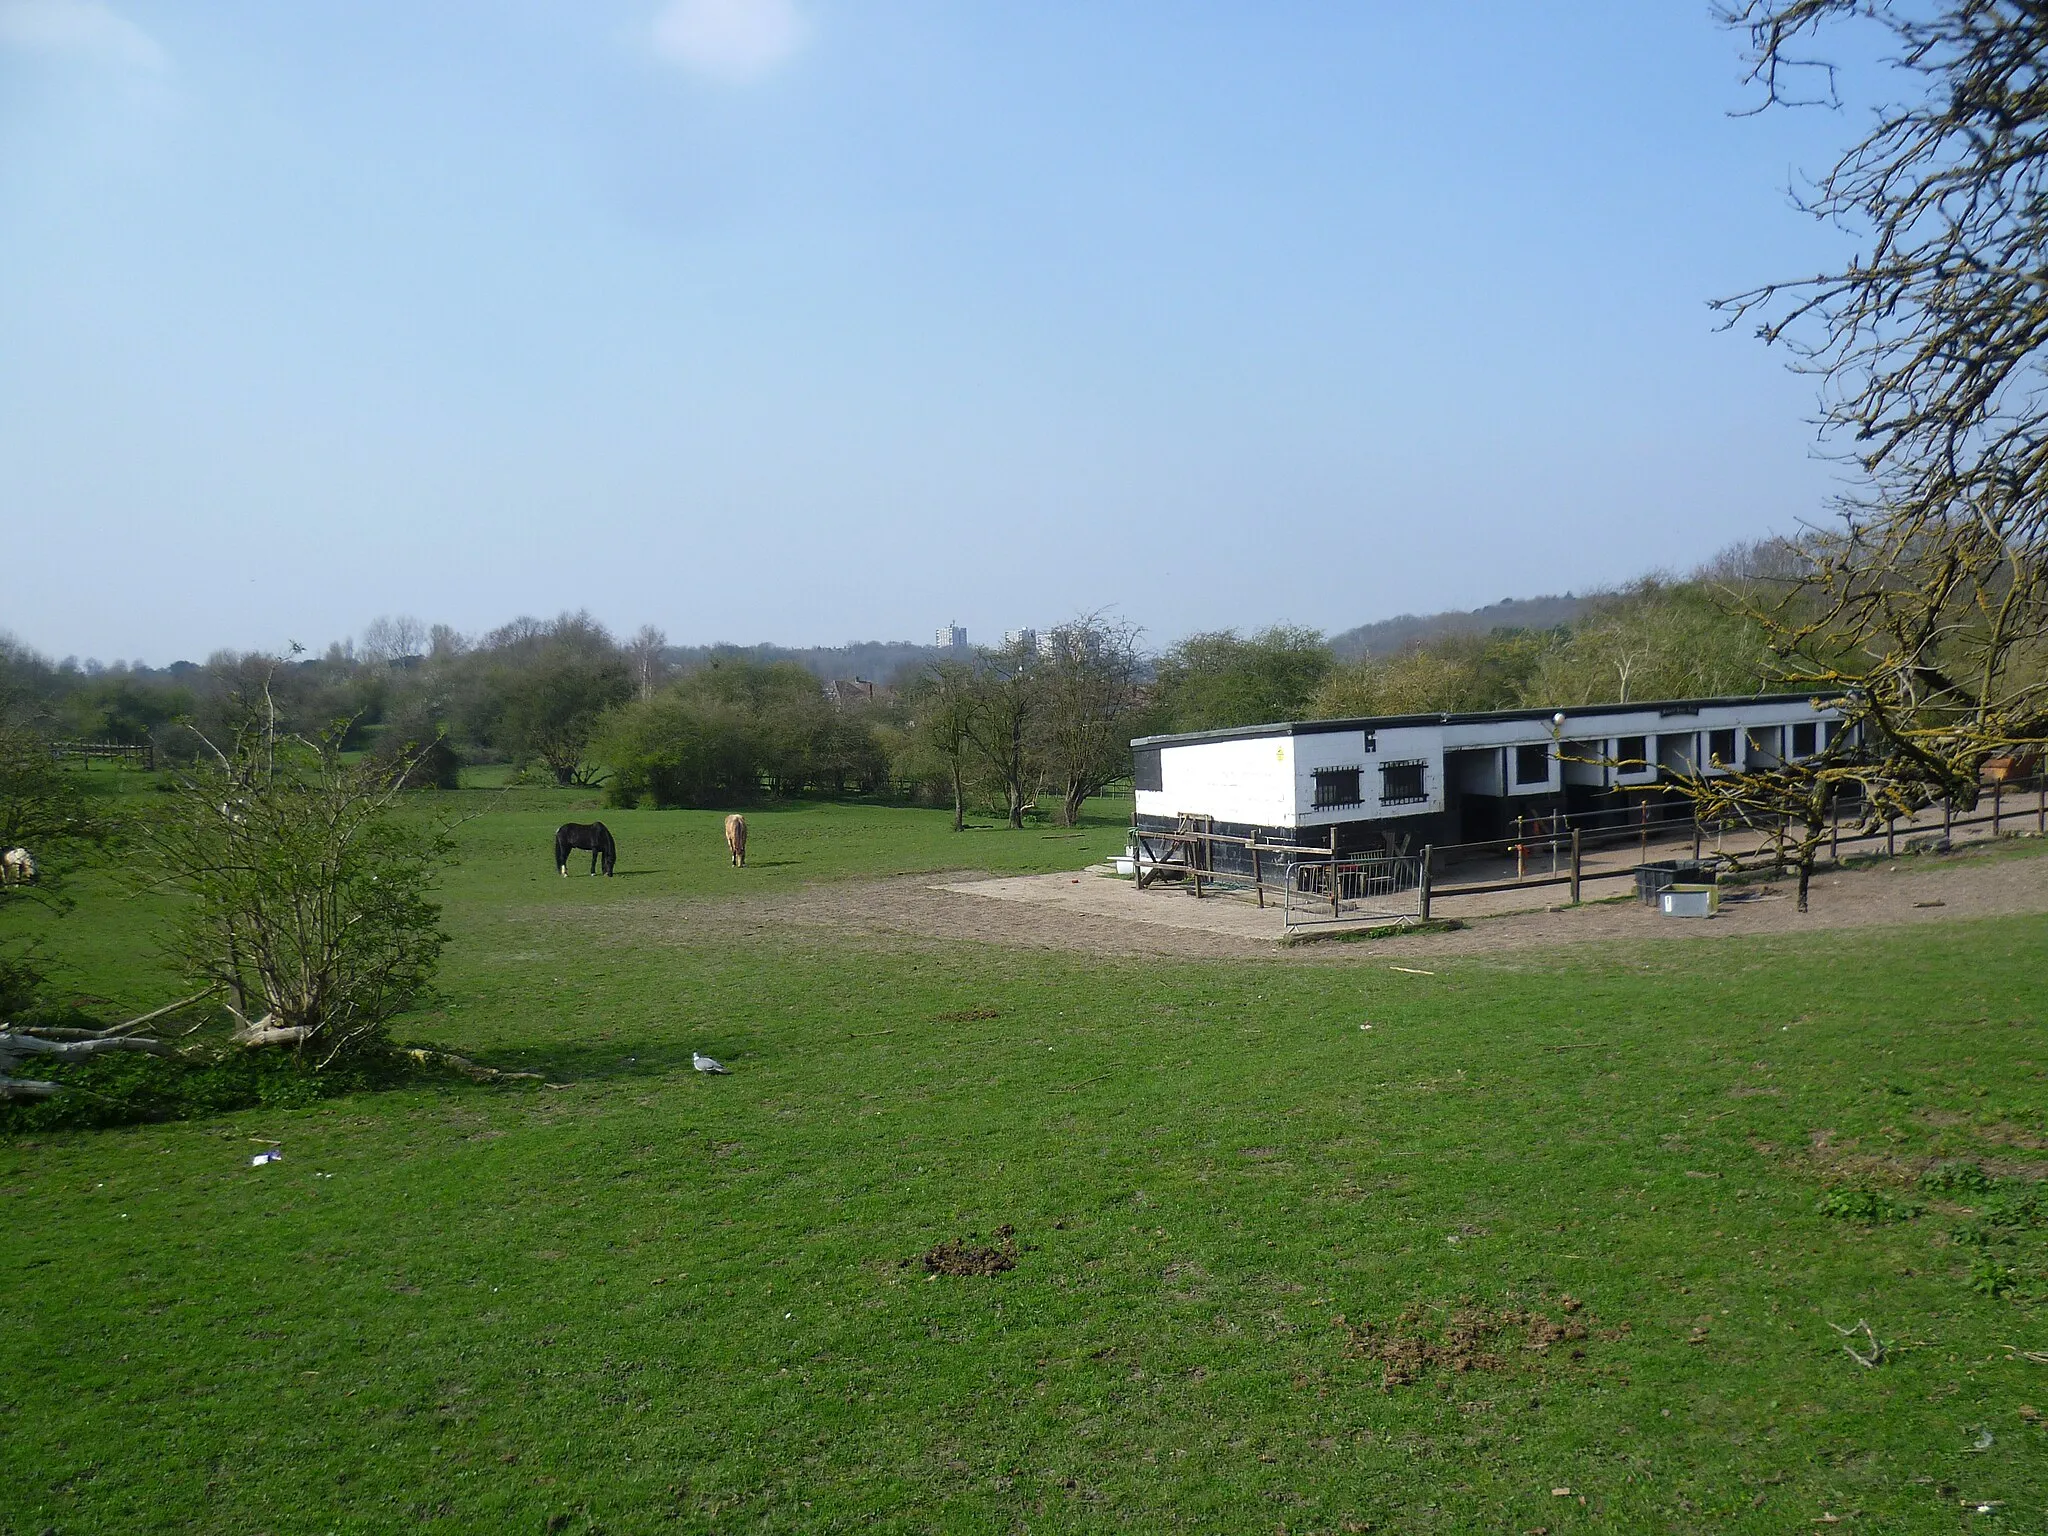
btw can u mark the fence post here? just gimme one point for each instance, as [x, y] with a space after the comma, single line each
[1834, 829]
[1891, 841]
[1521, 852]
[1336, 892]
[1948, 818]
[2041, 804]
[1554, 815]
[1695, 834]
[1997, 803]
[1575, 866]
[1642, 841]
[1422, 881]
[1258, 884]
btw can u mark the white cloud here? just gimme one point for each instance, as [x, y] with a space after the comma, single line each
[84, 29]
[737, 40]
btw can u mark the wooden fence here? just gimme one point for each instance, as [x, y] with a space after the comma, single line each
[141, 753]
[1551, 850]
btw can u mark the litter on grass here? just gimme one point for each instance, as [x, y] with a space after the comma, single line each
[271, 1155]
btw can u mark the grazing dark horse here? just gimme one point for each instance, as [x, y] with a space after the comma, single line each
[595, 836]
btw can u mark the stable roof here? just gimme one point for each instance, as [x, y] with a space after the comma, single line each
[1667, 707]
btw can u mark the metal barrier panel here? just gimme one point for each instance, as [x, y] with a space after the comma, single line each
[1382, 888]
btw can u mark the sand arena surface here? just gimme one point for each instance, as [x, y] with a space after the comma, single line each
[1089, 913]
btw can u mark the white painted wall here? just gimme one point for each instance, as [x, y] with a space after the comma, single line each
[1270, 780]
[1250, 780]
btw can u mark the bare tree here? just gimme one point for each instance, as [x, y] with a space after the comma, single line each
[945, 701]
[387, 639]
[445, 642]
[1790, 804]
[1088, 692]
[1928, 605]
[644, 655]
[1002, 728]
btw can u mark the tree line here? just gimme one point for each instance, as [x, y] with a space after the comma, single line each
[1660, 638]
[1052, 715]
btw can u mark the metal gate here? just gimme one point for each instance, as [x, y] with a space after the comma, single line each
[1375, 888]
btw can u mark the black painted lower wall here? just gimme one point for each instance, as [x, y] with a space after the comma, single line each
[1405, 834]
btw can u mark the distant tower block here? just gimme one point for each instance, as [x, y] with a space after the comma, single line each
[951, 637]
[1020, 639]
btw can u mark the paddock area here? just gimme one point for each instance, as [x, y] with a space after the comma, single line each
[1094, 913]
[1023, 1207]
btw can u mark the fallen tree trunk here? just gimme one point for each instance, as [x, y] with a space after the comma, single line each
[70, 1044]
[111, 1030]
[14, 1046]
[258, 1033]
[263, 1033]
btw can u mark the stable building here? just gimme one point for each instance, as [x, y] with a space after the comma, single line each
[1397, 782]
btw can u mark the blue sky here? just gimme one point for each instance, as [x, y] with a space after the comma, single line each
[814, 320]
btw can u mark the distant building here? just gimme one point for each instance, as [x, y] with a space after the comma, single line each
[951, 637]
[1020, 639]
[845, 691]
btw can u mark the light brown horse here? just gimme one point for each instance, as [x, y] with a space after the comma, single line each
[736, 839]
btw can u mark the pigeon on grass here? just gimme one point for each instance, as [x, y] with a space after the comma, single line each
[704, 1063]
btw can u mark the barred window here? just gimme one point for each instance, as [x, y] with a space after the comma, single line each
[1402, 783]
[1337, 786]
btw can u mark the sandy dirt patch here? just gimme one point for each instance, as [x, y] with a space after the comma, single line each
[1090, 914]
[920, 910]
[1899, 893]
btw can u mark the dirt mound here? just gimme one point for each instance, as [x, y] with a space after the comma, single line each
[960, 1256]
[1470, 1339]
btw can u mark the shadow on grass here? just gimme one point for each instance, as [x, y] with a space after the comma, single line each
[104, 1091]
[110, 1091]
[574, 1062]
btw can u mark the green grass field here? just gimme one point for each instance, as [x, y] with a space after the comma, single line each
[655, 1301]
